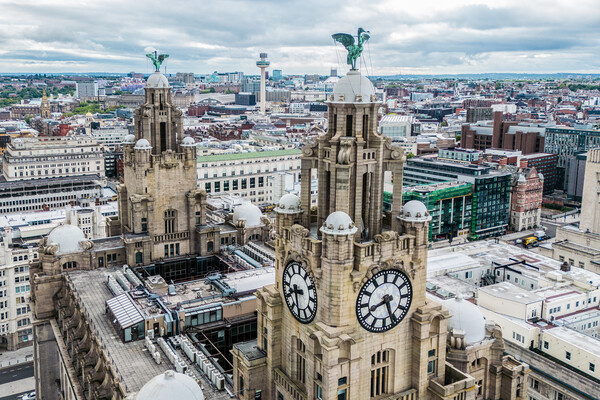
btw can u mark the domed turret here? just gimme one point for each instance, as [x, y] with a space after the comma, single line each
[129, 139]
[466, 317]
[171, 385]
[288, 204]
[143, 144]
[188, 141]
[415, 210]
[354, 87]
[157, 81]
[67, 238]
[248, 212]
[339, 223]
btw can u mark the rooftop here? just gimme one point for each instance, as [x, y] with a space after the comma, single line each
[131, 360]
[255, 154]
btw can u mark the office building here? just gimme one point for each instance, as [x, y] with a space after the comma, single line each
[246, 174]
[491, 190]
[86, 90]
[500, 134]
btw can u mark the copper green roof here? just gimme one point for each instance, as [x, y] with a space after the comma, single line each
[253, 154]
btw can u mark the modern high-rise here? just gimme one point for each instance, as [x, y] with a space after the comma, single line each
[85, 90]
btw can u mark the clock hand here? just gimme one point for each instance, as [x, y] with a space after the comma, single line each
[376, 306]
[389, 310]
[296, 295]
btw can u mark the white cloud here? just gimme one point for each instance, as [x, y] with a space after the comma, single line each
[425, 36]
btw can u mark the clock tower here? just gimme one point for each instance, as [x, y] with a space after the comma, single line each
[347, 317]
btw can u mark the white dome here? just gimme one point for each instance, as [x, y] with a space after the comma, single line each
[415, 210]
[188, 141]
[129, 139]
[351, 86]
[249, 212]
[466, 317]
[157, 81]
[143, 144]
[288, 204]
[339, 223]
[171, 385]
[67, 238]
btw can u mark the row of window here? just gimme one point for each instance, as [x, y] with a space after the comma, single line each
[208, 186]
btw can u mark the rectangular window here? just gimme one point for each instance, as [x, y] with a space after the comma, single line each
[244, 183]
[568, 355]
[342, 394]
[207, 187]
[166, 250]
[234, 184]
[431, 367]
[217, 187]
[592, 367]
[252, 183]
[546, 345]
[225, 186]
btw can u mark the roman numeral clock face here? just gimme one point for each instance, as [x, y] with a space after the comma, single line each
[384, 301]
[299, 292]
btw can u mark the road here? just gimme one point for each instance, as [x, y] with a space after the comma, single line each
[16, 372]
[14, 396]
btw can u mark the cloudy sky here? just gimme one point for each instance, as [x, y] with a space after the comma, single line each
[407, 36]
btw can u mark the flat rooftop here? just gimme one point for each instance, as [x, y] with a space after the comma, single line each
[132, 360]
[508, 291]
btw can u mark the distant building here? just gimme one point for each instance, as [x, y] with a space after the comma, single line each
[277, 76]
[461, 155]
[545, 164]
[185, 77]
[491, 190]
[475, 114]
[246, 174]
[396, 126]
[567, 142]
[416, 96]
[86, 89]
[449, 204]
[526, 200]
[51, 157]
[245, 99]
[503, 135]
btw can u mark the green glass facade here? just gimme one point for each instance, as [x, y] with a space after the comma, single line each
[450, 207]
[491, 202]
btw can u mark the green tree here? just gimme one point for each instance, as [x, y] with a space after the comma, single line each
[409, 155]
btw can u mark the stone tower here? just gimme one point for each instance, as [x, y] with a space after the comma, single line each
[347, 316]
[45, 107]
[161, 211]
[590, 202]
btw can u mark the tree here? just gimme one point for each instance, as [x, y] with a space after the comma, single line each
[409, 155]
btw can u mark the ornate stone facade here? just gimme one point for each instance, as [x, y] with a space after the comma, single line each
[349, 347]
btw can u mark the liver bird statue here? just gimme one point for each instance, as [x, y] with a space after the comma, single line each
[157, 59]
[354, 49]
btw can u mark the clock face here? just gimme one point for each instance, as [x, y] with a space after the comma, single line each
[384, 301]
[299, 292]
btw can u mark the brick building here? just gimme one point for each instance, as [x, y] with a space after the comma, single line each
[502, 134]
[545, 164]
[526, 200]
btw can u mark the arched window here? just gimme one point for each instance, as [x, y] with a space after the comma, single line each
[380, 373]
[138, 257]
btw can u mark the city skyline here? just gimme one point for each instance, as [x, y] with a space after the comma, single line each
[428, 37]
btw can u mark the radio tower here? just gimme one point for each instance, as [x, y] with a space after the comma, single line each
[263, 64]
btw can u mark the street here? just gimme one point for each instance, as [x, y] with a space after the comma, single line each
[15, 373]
